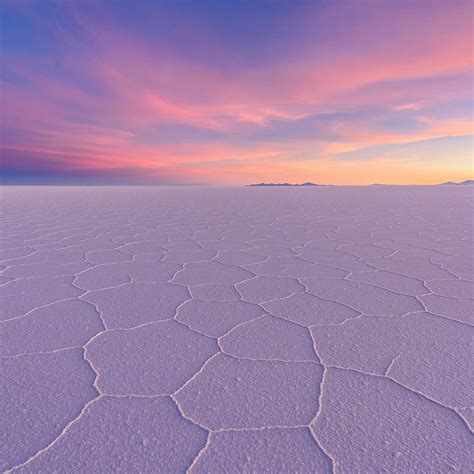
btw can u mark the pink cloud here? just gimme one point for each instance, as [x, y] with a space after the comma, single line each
[118, 85]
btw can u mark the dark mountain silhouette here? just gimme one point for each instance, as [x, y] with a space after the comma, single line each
[463, 183]
[286, 184]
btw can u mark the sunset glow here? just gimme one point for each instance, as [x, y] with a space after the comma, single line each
[216, 92]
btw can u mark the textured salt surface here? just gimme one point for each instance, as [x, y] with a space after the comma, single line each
[236, 329]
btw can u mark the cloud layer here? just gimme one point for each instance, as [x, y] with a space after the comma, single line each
[233, 92]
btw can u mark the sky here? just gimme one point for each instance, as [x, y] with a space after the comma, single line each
[230, 92]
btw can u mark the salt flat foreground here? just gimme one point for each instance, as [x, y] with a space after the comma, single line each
[236, 329]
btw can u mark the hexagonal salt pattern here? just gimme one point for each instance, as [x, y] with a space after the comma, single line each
[236, 329]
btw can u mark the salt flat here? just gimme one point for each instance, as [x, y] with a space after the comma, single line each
[236, 329]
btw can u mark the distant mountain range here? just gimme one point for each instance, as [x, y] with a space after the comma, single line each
[463, 183]
[451, 183]
[286, 184]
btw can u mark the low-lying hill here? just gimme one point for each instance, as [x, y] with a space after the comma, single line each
[463, 183]
[286, 184]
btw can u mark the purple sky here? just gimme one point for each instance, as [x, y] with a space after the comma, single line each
[176, 92]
